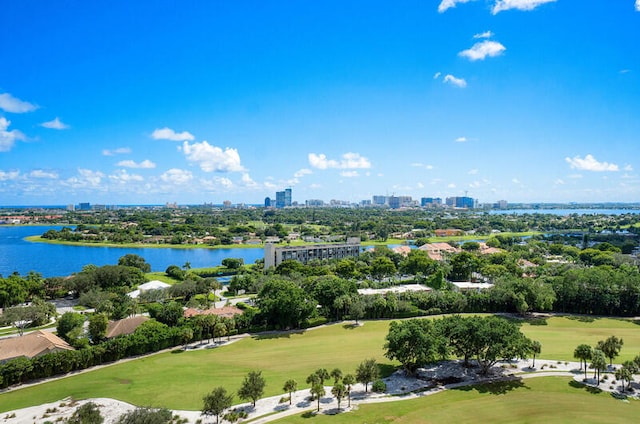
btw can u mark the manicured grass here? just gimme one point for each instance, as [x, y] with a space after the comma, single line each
[562, 335]
[179, 380]
[537, 400]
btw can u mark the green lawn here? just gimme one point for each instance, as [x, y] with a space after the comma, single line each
[537, 400]
[561, 335]
[179, 380]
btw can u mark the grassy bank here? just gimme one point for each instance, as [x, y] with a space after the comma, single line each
[537, 400]
[191, 374]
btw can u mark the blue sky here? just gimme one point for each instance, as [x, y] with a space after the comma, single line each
[148, 102]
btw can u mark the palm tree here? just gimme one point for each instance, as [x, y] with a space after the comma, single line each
[583, 353]
[336, 374]
[290, 386]
[339, 391]
[536, 348]
[317, 390]
[349, 380]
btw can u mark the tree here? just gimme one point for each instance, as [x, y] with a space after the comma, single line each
[598, 363]
[233, 263]
[290, 386]
[382, 267]
[252, 387]
[349, 380]
[285, 304]
[98, 327]
[625, 373]
[216, 402]
[536, 348]
[322, 374]
[413, 343]
[186, 335]
[339, 391]
[610, 347]
[583, 353]
[68, 322]
[317, 391]
[89, 413]
[135, 261]
[356, 308]
[366, 372]
[336, 373]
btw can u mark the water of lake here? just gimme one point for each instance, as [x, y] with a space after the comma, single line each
[50, 260]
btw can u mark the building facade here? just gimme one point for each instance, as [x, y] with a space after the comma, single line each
[275, 255]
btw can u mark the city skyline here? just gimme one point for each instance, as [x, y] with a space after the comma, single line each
[155, 102]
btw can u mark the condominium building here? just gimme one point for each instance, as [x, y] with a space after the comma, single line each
[274, 255]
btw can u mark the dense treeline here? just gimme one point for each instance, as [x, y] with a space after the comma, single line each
[151, 336]
[214, 226]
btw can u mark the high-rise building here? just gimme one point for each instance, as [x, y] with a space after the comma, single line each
[283, 198]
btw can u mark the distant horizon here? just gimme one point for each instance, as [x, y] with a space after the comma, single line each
[192, 102]
[510, 205]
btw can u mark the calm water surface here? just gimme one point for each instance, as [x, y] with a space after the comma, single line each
[50, 260]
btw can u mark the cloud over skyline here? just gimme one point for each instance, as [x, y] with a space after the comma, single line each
[212, 158]
[526, 5]
[11, 104]
[482, 50]
[167, 133]
[348, 161]
[8, 138]
[457, 82]
[589, 163]
[55, 124]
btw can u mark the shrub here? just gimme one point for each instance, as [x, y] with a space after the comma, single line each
[379, 386]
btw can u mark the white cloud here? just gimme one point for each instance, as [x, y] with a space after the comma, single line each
[515, 181]
[462, 140]
[349, 174]
[86, 179]
[118, 151]
[167, 133]
[559, 182]
[224, 182]
[302, 172]
[486, 34]
[451, 185]
[589, 163]
[437, 75]
[123, 177]
[482, 49]
[145, 164]
[247, 181]
[176, 176]
[8, 103]
[348, 161]
[628, 167]
[11, 175]
[638, 5]
[458, 82]
[56, 124]
[502, 5]
[447, 4]
[422, 165]
[39, 173]
[213, 158]
[472, 172]
[8, 138]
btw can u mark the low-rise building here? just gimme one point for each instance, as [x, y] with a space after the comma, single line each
[31, 345]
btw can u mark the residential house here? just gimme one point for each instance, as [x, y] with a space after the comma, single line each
[31, 345]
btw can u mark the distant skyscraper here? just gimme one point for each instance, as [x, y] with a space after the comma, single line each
[283, 198]
[267, 202]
